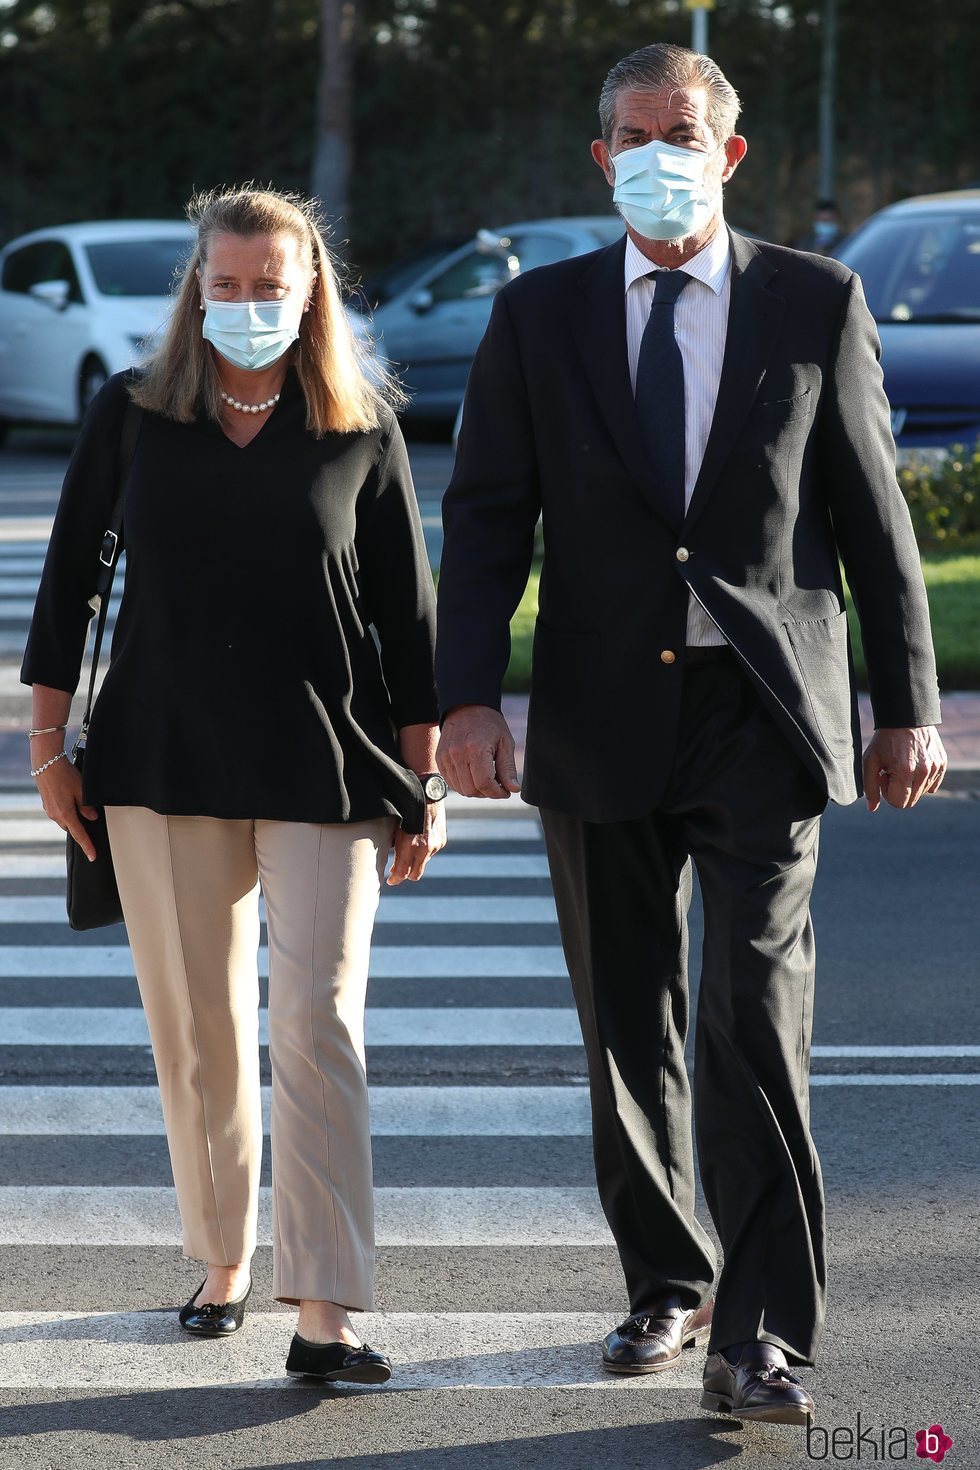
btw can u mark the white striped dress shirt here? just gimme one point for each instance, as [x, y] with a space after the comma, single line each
[701, 328]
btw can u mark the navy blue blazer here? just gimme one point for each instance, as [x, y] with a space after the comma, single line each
[798, 476]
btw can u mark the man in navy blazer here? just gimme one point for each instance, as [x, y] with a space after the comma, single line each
[699, 420]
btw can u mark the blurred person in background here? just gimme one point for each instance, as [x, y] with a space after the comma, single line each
[252, 731]
[825, 232]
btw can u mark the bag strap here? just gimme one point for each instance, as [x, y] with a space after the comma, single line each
[109, 554]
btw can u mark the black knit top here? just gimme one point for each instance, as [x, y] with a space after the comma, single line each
[276, 625]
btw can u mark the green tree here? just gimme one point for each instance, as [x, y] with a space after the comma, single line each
[461, 113]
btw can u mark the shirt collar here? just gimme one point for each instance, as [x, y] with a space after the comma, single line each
[711, 265]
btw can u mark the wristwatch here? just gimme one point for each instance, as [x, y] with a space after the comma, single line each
[434, 787]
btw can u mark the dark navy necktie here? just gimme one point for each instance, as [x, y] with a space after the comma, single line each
[660, 394]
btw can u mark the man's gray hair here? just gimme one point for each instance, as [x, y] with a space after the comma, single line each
[653, 68]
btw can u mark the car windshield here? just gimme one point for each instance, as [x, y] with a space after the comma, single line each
[920, 268]
[137, 267]
[399, 276]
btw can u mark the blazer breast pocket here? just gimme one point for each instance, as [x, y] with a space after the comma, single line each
[781, 410]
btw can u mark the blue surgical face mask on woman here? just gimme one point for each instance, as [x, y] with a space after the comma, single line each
[660, 190]
[252, 334]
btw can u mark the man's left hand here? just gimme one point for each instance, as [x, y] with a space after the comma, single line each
[902, 765]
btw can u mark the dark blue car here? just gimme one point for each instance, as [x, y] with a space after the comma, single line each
[920, 264]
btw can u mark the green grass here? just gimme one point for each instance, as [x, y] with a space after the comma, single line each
[952, 581]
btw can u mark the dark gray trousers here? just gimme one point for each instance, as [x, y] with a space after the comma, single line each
[742, 806]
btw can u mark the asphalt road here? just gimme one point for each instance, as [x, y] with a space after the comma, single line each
[496, 1276]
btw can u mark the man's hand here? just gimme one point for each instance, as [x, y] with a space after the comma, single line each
[902, 765]
[476, 752]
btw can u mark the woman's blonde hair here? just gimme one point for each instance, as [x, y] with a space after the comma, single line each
[331, 364]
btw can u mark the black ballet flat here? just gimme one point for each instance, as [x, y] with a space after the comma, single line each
[336, 1362]
[213, 1319]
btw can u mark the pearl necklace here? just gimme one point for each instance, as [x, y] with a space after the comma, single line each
[250, 407]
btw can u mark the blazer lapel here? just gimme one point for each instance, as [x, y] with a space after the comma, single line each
[754, 317]
[599, 327]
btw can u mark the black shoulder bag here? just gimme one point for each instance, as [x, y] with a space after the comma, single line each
[93, 897]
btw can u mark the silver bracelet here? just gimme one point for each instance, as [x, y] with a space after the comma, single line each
[59, 757]
[48, 730]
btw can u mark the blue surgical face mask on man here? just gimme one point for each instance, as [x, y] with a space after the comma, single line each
[660, 190]
[252, 334]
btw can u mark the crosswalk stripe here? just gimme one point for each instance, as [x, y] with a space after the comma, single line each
[105, 1026]
[14, 866]
[387, 961]
[413, 908]
[916, 1050]
[429, 1350]
[31, 829]
[25, 535]
[896, 1079]
[21, 582]
[389, 1026]
[27, 803]
[468, 829]
[147, 1215]
[483, 1112]
[448, 865]
[21, 609]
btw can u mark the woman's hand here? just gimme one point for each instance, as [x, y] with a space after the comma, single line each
[60, 787]
[413, 850]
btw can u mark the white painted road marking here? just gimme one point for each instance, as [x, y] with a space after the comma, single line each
[900, 1079]
[538, 1215]
[464, 829]
[21, 609]
[429, 1350]
[385, 1026]
[388, 1026]
[447, 865]
[438, 1112]
[412, 908]
[406, 961]
[395, 1111]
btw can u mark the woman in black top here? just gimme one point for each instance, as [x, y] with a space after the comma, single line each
[269, 715]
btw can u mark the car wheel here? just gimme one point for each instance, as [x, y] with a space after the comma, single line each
[4, 430]
[92, 376]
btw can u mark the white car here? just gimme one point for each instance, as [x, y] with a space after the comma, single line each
[78, 303]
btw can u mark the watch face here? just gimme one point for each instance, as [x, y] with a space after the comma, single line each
[435, 788]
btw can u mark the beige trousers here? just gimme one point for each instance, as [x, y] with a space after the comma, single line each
[189, 888]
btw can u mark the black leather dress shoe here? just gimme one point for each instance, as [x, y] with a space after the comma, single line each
[336, 1362]
[651, 1341]
[213, 1319]
[759, 1387]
